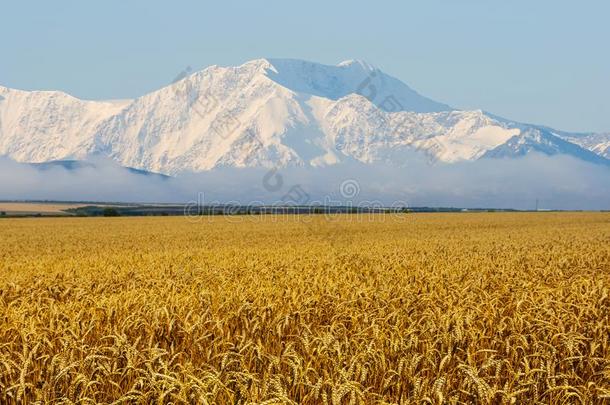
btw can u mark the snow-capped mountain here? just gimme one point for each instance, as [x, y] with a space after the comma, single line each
[597, 143]
[542, 141]
[270, 112]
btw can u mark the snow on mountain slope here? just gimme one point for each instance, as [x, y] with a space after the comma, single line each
[48, 125]
[362, 131]
[275, 112]
[596, 143]
[349, 77]
[217, 117]
[542, 141]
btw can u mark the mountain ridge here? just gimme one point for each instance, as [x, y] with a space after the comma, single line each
[270, 113]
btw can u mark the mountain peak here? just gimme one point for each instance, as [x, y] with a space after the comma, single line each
[265, 112]
[349, 77]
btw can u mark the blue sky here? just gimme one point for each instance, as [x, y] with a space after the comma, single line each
[540, 61]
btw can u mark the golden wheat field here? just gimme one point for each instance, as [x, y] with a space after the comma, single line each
[407, 309]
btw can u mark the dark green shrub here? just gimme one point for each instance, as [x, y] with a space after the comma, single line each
[110, 212]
